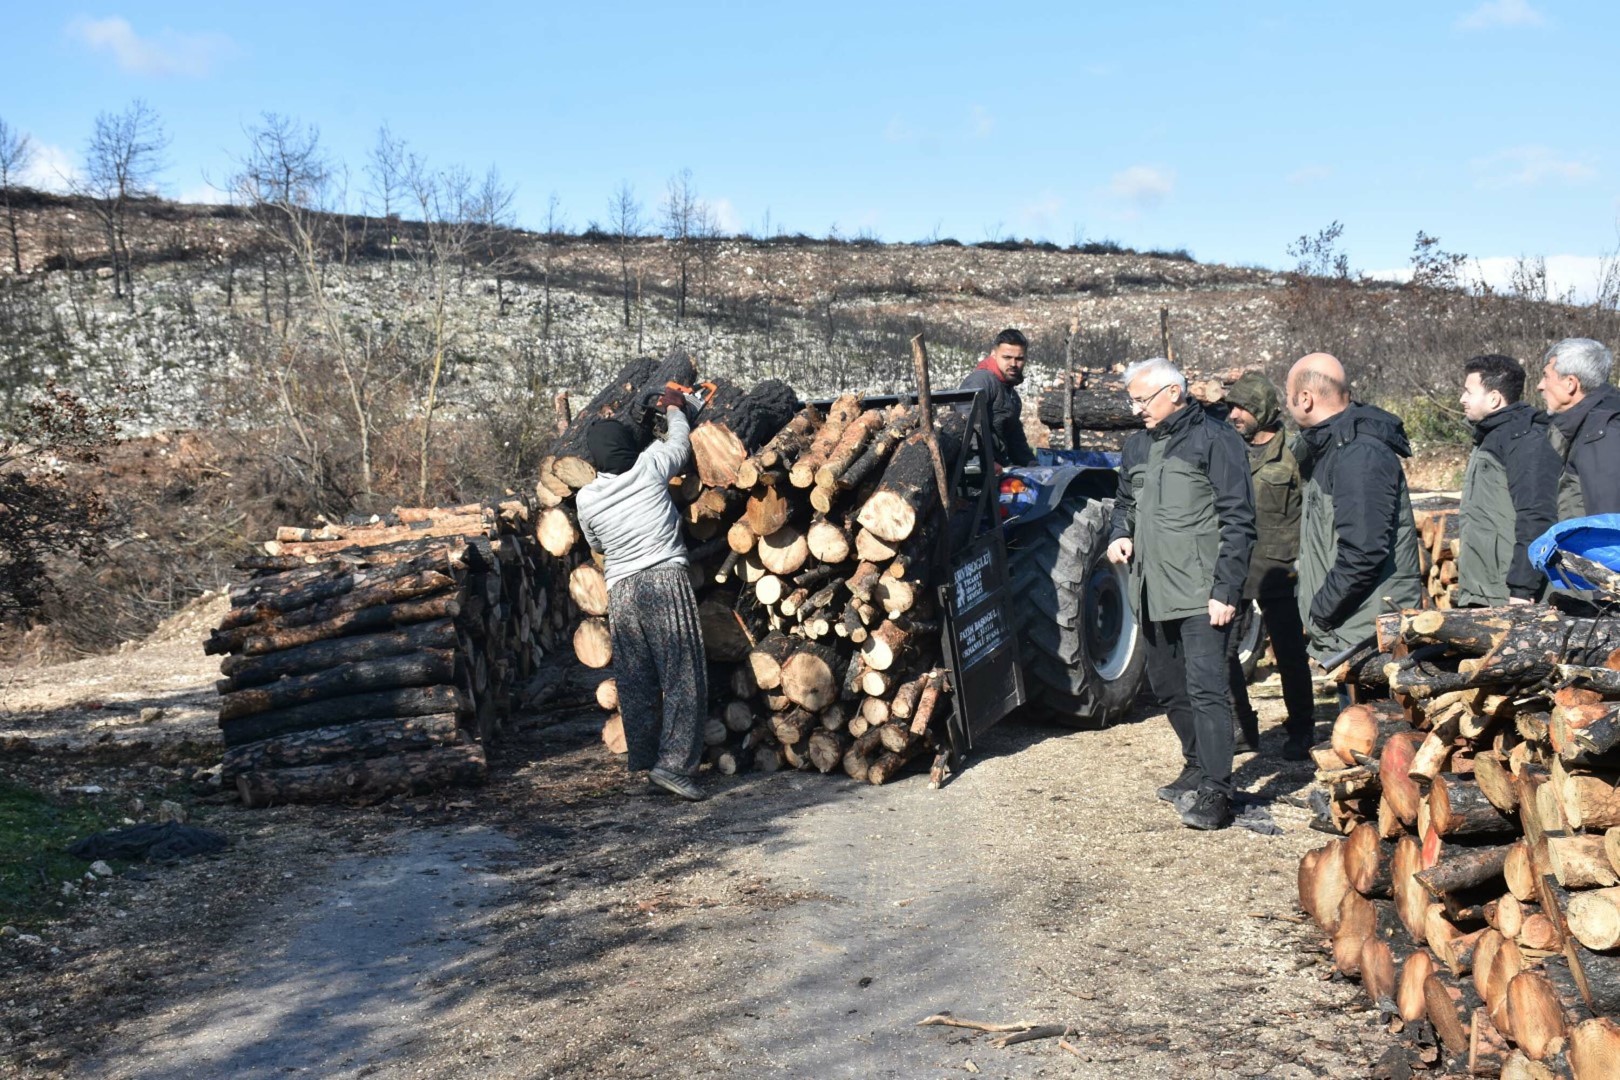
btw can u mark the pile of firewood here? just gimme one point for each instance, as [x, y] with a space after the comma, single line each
[1476, 891]
[367, 660]
[811, 534]
[1439, 545]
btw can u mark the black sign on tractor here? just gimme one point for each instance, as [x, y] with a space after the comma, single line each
[980, 642]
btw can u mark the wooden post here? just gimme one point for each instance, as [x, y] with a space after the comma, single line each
[1164, 334]
[564, 409]
[925, 415]
[1068, 384]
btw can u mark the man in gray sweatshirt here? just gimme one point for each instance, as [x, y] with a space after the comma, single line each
[627, 514]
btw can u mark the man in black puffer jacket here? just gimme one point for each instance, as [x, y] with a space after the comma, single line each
[1357, 540]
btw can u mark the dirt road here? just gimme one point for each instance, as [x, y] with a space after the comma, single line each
[562, 922]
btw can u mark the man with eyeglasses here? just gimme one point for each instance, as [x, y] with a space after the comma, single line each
[1184, 521]
[997, 378]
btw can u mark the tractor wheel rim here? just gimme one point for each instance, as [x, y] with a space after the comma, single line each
[1109, 626]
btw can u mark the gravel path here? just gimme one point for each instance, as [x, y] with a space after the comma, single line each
[566, 923]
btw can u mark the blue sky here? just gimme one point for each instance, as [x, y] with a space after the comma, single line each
[1229, 129]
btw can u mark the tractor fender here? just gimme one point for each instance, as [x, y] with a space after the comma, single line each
[1049, 482]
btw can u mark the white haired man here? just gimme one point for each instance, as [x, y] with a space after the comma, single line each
[1184, 520]
[1584, 407]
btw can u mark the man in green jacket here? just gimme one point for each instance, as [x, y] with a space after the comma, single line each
[1184, 520]
[1256, 415]
[1510, 491]
[1358, 547]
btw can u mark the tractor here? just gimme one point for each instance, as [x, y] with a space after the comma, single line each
[1034, 614]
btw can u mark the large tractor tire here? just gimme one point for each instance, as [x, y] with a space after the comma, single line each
[1249, 632]
[1083, 652]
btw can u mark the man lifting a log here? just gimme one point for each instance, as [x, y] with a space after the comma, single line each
[1584, 407]
[1184, 521]
[1358, 547]
[1256, 414]
[1510, 491]
[627, 514]
[997, 378]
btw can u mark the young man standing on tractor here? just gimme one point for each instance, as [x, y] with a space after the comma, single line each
[1358, 544]
[1510, 491]
[1256, 415]
[997, 378]
[1184, 521]
[627, 514]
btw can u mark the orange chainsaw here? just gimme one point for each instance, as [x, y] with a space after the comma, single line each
[696, 396]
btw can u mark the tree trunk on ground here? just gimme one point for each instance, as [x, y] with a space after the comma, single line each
[373, 779]
[370, 738]
[379, 705]
[426, 667]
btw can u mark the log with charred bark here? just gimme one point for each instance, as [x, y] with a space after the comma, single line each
[367, 780]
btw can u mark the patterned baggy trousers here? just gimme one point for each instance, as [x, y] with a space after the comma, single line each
[658, 665]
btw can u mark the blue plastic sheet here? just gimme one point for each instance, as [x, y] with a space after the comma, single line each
[1596, 538]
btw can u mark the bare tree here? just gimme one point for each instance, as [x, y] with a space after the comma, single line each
[457, 214]
[624, 214]
[286, 182]
[122, 160]
[16, 154]
[385, 169]
[680, 213]
[556, 226]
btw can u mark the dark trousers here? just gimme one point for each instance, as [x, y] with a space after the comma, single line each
[1186, 669]
[659, 667]
[1281, 617]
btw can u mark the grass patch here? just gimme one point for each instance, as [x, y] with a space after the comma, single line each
[1429, 423]
[34, 834]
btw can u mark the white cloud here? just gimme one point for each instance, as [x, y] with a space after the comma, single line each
[1498, 13]
[1576, 276]
[1309, 174]
[980, 122]
[1041, 215]
[898, 131]
[52, 169]
[204, 194]
[164, 54]
[1530, 166]
[725, 216]
[1143, 185]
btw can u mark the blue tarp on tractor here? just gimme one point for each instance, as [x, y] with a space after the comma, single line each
[1596, 538]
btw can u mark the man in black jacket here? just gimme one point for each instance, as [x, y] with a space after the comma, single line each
[1358, 543]
[1184, 520]
[1510, 491]
[996, 378]
[1575, 386]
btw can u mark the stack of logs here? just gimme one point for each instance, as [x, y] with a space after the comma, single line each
[811, 535]
[1440, 544]
[1476, 891]
[368, 660]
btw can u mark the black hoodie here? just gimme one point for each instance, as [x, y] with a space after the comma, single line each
[1358, 543]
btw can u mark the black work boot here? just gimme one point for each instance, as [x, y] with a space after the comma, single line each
[1298, 746]
[1208, 810]
[1246, 735]
[1187, 781]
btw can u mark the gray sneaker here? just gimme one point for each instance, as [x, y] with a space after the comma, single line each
[676, 784]
[1187, 781]
[1208, 810]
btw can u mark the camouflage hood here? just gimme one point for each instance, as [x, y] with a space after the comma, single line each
[1254, 394]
